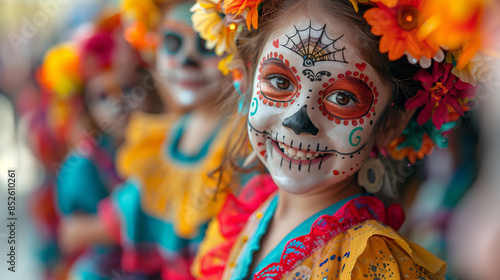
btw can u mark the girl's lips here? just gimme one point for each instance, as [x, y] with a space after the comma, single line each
[298, 161]
[192, 84]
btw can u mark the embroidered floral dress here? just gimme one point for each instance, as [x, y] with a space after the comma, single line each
[161, 213]
[86, 177]
[352, 239]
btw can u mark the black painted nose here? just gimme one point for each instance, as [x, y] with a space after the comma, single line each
[300, 122]
[190, 62]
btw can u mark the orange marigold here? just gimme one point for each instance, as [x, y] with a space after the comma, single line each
[399, 26]
[242, 7]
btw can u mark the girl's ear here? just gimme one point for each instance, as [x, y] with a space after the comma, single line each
[391, 128]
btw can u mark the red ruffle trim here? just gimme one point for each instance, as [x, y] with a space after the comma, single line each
[232, 218]
[327, 227]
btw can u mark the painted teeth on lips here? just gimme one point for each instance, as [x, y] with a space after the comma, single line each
[298, 154]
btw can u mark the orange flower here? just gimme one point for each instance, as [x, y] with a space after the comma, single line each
[242, 7]
[388, 3]
[454, 24]
[399, 26]
[60, 71]
[140, 37]
[409, 152]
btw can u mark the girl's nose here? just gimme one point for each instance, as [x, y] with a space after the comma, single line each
[301, 123]
[189, 61]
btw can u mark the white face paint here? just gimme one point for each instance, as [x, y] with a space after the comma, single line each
[188, 69]
[315, 105]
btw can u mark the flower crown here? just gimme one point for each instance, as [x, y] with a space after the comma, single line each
[67, 66]
[442, 34]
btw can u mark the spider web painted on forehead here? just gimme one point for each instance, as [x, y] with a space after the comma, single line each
[313, 45]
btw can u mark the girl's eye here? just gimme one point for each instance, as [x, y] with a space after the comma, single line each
[278, 82]
[341, 98]
[203, 48]
[281, 83]
[348, 98]
[172, 43]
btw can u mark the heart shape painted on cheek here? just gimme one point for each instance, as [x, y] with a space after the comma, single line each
[361, 66]
[276, 43]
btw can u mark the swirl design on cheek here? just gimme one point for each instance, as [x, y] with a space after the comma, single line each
[357, 137]
[254, 106]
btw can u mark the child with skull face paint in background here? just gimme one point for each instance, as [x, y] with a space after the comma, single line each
[326, 110]
[88, 91]
[159, 215]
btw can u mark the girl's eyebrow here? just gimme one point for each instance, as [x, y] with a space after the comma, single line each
[276, 62]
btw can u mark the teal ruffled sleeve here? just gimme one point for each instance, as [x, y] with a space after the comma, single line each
[79, 186]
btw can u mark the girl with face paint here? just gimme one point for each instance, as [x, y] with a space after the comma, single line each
[322, 102]
[89, 92]
[160, 213]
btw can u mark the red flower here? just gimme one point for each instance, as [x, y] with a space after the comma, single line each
[442, 94]
[97, 51]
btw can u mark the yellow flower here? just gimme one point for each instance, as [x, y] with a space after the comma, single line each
[59, 72]
[223, 64]
[208, 22]
[145, 11]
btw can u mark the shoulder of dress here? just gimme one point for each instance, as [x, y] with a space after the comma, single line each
[143, 125]
[144, 137]
[372, 247]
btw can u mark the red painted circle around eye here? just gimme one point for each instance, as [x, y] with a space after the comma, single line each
[353, 110]
[272, 68]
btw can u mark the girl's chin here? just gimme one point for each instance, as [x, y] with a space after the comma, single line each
[300, 184]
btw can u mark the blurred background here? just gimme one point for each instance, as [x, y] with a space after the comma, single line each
[28, 28]
[451, 199]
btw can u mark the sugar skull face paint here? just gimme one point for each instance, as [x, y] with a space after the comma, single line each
[315, 106]
[188, 68]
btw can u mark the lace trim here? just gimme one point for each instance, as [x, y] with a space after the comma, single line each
[327, 227]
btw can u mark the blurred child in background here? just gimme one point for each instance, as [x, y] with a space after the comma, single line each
[91, 85]
[160, 213]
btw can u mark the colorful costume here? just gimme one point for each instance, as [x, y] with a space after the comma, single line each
[160, 214]
[83, 181]
[348, 240]
[42, 207]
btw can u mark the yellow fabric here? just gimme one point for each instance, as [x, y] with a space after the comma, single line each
[369, 250]
[182, 195]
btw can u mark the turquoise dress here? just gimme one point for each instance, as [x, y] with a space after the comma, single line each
[254, 241]
[85, 178]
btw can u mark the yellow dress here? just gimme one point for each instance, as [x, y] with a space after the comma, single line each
[355, 242]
